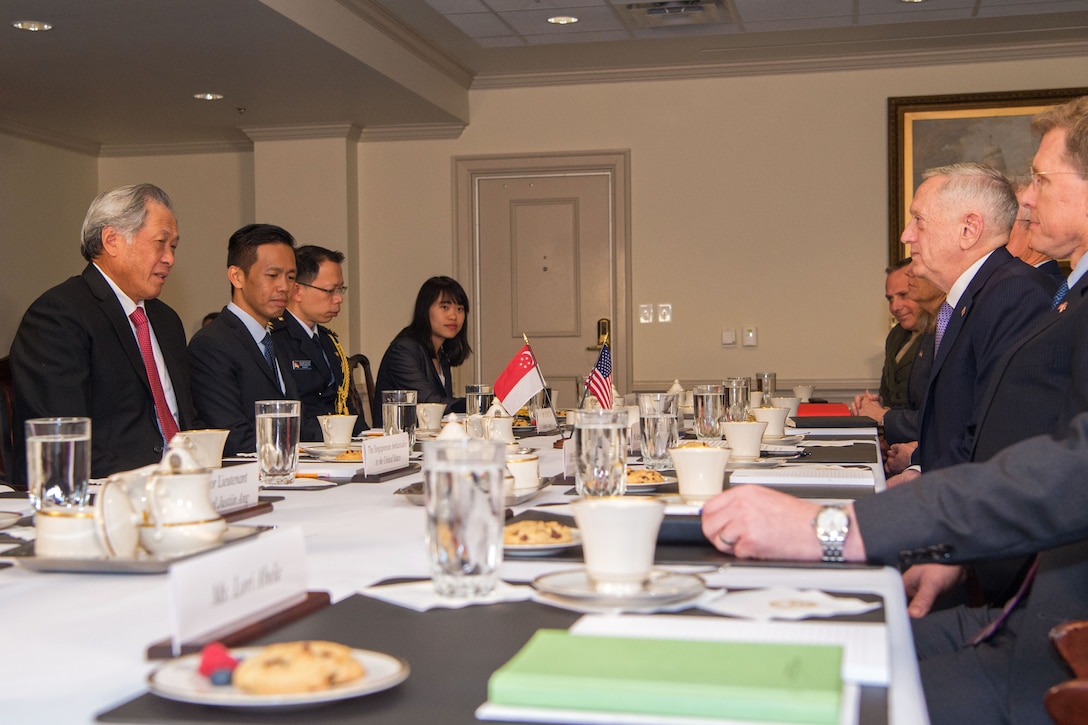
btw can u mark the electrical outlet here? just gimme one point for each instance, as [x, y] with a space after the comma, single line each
[645, 314]
[750, 337]
[664, 313]
[729, 337]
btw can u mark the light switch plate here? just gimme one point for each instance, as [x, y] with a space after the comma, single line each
[664, 313]
[750, 336]
[729, 336]
[645, 314]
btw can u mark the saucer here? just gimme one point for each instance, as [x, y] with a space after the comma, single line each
[664, 587]
[790, 440]
[732, 465]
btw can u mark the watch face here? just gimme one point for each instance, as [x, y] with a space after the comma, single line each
[832, 519]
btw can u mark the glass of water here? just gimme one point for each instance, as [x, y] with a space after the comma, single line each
[709, 408]
[659, 421]
[737, 404]
[399, 413]
[463, 496]
[278, 428]
[600, 451]
[478, 399]
[58, 462]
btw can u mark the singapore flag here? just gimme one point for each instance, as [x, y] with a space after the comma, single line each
[519, 381]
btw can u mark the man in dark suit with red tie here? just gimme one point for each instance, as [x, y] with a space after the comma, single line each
[101, 345]
[233, 359]
[313, 353]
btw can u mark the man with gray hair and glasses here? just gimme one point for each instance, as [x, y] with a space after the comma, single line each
[101, 345]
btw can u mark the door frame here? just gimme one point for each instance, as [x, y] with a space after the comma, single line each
[468, 171]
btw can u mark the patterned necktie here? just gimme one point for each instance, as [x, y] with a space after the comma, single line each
[266, 348]
[167, 423]
[986, 632]
[943, 316]
[1060, 294]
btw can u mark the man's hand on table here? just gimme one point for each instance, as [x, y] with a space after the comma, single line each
[923, 583]
[908, 475]
[754, 522]
[898, 457]
[865, 397]
[870, 407]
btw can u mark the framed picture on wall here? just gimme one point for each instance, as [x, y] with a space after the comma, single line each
[929, 131]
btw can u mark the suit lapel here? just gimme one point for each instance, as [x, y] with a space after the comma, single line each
[963, 308]
[253, 349]
[111, 307]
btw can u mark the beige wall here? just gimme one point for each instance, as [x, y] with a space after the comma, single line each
[755, 201]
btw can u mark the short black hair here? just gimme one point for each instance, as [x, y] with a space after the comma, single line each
[901, 264]
[308, 261]
[242, 247]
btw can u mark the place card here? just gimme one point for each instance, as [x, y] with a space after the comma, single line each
[385, 453]
[236, 585]
[235, 487]
[546, 420]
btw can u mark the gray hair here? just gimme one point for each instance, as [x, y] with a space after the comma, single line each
[984, 187]
[124, 209]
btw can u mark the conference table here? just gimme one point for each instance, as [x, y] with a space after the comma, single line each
[76, 643]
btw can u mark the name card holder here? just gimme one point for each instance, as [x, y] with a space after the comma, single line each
[237, 589]
[235, 489]
[383, 454]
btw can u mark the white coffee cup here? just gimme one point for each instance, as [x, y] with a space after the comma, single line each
[744, 437]
[775, 418]
[525, 468]
[430, 415]
[336, 430]
[804, 392]
[790, 403]
[207, 445]
[619, 534]
[700, 472]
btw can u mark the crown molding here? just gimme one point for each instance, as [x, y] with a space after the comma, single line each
[58, 140]
[175, 149]
[777, 66]
[413, 132]
[298, 132]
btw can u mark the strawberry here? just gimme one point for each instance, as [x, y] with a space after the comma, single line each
[215, 656]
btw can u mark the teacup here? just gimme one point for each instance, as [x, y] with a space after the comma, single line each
[430, 415]
[744, 437]
[207, 445]
[619, 535]
[182, 518]
[336, 430]
[804, 392]
[775, 418]
[790, 403]
[105, 530]
[476, 427]
[700, 472]
[525, 468]
[501, 429]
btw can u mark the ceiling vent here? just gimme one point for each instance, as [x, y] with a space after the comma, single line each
[672, 14]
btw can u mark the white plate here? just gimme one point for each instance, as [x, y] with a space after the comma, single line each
[541, 549]
[330, 453]
[9, 519]
[178, 679]
[651, 486]
[663, 587]
[753, 463]
[790, 440]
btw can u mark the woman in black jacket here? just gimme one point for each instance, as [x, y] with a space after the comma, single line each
[422, 354]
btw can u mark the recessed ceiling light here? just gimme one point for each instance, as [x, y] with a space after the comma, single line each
[563, 20]
[208, 96]
[31, 25]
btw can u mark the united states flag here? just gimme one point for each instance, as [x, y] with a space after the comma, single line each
[600, 380]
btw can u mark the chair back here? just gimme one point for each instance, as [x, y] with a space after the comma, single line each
[375, 404]
[1067, 702]
[7, 421]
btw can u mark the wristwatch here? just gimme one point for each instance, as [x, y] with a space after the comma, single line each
[832, 525]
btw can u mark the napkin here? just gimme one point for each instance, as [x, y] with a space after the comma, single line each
[421, 596]
[26, 533]
[785, 603]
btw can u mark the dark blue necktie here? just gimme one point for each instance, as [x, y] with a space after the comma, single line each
[266, 348]
[1060, 294]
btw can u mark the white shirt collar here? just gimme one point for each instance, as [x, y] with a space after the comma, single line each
[310, 331]
[256, 330]
[961, 283]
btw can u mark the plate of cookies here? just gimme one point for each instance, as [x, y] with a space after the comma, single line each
[533, 538]
[643, 479]
[351, 453]
[283, 675]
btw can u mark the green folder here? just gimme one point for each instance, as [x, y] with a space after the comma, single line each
[775, 682]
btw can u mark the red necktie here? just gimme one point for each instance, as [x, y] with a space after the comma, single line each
[162, 410]
[1025, 586]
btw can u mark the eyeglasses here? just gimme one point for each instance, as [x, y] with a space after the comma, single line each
[1035, 175]
[330, 291]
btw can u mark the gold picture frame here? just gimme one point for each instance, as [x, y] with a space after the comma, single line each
[929, 131]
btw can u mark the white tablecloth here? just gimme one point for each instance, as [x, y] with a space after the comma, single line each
[73, 644]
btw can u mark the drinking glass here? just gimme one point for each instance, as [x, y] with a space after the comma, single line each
[478, 400]
[709, 406]
[463, 495]
[399, 413]
[58, 462]
[278, 428]
[658, 418]
[737, 405]
[600, 452]
[767, 384]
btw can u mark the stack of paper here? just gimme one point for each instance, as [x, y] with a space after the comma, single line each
[804, 475]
